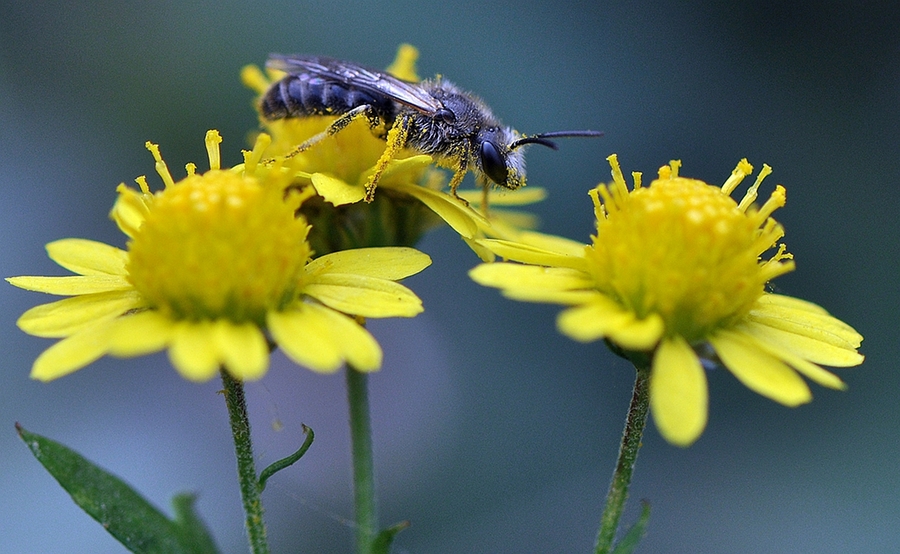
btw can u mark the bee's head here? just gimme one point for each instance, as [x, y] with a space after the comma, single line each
[501, 159]
[496, 160]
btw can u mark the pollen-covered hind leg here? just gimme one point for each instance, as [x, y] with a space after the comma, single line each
[396, 140]
[336, 127]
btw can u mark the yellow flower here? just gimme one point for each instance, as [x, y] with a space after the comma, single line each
[338, 168]
[677, 273]
[217, 265]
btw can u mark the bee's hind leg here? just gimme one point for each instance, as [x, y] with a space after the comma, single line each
[335, 127]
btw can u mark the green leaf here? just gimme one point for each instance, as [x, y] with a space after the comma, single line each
[381, 544]
[128, 517]
[193, 534]
[634, 535]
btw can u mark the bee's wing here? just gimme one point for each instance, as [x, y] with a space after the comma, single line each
[359, 77]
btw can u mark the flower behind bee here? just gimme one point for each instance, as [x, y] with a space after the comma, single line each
[675, 269]
[217, 263]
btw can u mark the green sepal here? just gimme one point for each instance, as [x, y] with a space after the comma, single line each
[634, 535]
[124, 513]
[381, 544]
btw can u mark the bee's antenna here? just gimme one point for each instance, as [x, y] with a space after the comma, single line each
[541, 138]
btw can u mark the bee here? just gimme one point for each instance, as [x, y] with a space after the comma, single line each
[432, 117]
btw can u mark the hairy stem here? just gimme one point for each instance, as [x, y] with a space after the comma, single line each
[363, 465]
[243, 447]
[628, 451]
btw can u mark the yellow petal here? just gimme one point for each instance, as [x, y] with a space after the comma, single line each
[530, 279]
[592, 321]
[510, 225]
[806, 315]
[72, 353]
[534, 255]
[779, 300]
[336, 191]
[638, 334]
[518, 197]
[760, 371]
[304, 336]
[129, 211]
[553, 243]
[787, 355]
[243, 349]
[357, 345]
[806, 347]
[254, 79]
[140, 334]
[679, 397]
[483, 253]
[392, 263]
[65, 317]
[564, 297]
[194, 350]
[364, 296]
[812, 371]
[398, 166]
[604, 318]
[73, 285]
[458, 216]
[404, 64]
[88, 257]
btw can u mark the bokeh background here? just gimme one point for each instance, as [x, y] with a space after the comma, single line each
[493, 434]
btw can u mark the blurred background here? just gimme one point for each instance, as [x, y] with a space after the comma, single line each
[493, 434]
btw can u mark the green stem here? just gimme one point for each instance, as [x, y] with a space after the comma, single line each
[628, 451]
[363, 466]
[243, 447]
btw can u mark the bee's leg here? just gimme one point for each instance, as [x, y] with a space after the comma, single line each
[334, 128]
[396, 139]
[458, 175]
[485, 192]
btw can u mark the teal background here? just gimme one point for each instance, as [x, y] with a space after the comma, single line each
[493, 434]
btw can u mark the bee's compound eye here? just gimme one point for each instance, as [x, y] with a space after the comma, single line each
[492, 163]
[445, 115]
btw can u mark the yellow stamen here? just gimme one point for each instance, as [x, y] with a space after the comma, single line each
[213, 139]
[161, 168]
[740, 171]
[252, 157]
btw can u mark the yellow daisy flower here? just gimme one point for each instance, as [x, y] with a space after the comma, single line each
[677, 273]
[217, 266]
[338, 168]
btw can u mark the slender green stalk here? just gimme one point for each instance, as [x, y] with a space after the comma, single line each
[628, 451]
[243, 447]
[363, 466]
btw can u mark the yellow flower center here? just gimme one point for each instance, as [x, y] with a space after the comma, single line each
[219, 245]
[683, 249]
